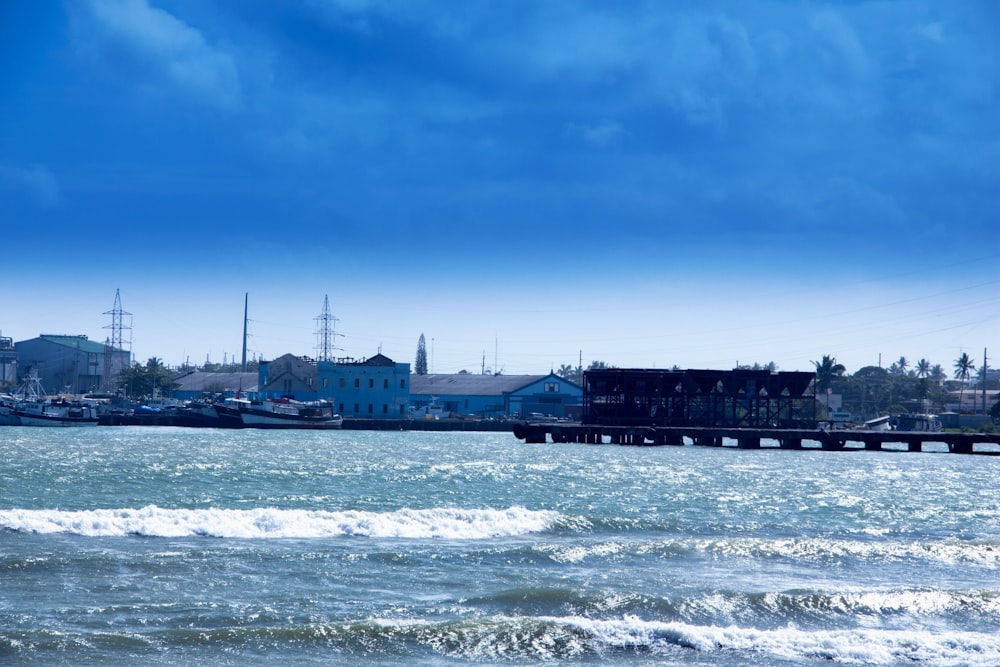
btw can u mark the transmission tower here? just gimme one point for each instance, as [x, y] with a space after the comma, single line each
[115, 356]
[326, 334]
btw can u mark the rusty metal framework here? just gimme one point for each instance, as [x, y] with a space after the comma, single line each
[735, 399]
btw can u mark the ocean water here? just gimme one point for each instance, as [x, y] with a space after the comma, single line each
[166, 546]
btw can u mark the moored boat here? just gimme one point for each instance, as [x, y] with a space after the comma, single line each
[30, 406]
[877, 424]
[916, 422]
[277, 413]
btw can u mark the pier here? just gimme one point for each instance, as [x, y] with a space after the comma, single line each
[740, 409]
[755, 438]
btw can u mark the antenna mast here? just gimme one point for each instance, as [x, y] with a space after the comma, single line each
[114, 348]
[326, 334]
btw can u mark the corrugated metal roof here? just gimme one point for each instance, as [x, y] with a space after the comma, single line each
[81, 343]
[469, 384]
[199, 381]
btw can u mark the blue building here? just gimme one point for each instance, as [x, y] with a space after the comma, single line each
[374, 388]
[497, 396]
[71, 364]
[288, 376]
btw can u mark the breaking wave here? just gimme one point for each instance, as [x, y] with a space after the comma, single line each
[520, 638]
[153, 521]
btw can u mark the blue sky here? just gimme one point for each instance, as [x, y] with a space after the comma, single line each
[525, 183]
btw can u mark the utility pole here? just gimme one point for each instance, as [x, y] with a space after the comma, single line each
[326, 334]
[115, 358]
[984, 380]
[246, 306]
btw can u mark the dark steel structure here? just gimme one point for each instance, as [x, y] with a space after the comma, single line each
[704, 398]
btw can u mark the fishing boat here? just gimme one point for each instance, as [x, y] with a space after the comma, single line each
[916, 422]
[277, 413]
[30, 406]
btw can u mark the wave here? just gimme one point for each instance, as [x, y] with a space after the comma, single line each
[547, 638]
[816, 608]
[153, 521]
[982, 553]
[822, 550]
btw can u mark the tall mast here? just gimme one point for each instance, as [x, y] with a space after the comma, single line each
[246, 305]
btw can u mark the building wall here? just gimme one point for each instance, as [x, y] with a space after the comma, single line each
[551, 396]
[369, 390]
[78, 366]
[288, 376]
[8, 364]
[500, 396]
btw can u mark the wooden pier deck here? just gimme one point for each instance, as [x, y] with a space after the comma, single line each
[754, 438]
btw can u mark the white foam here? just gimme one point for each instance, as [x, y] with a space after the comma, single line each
[952, 552]
[849, 646]
[153, 521]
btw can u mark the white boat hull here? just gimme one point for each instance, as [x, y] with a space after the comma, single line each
[236, 413]
[254, 420]
[53, 420]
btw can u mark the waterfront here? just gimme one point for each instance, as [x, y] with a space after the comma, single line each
[166, 546]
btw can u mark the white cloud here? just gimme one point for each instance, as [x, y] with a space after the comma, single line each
[179, 53]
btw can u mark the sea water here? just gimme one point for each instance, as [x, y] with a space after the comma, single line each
[171, 546]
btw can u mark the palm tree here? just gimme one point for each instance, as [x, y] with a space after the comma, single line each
[902, 365]
[937, 373]
[963, 371]
[923, 368]
[826, 370]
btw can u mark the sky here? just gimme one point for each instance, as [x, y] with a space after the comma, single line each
[527, 184]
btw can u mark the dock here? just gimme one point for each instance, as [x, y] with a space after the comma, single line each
[755, 438]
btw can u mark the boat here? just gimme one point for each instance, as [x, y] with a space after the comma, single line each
[30, 406]
[199, 413]
[158, 404]
[877, 424]
[916, 422]
[277, 413]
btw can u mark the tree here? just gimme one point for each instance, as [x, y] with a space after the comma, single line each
[963, 371]
[420, 366]
[143, 381]
[901, 365]
[571, 373]
[923, 368]
[826, 370]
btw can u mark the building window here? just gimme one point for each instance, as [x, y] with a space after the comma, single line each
[342, 383]
[371, 409]
[326, 383]
[341, 409]
[385, 408]
[371, 383]
[355, 408]
[357, 383]
[402, 410]
[551, 387]
[385, 383]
